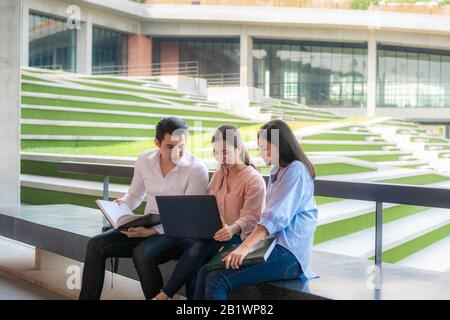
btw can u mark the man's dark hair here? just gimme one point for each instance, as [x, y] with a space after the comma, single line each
[169, 125]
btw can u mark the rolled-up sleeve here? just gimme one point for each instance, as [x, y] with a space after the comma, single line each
[136, 191]
[284, 202]
[250, 212]
[159, 228]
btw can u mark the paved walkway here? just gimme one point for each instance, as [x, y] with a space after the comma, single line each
[12, 288]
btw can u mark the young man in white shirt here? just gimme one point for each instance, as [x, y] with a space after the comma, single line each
[167, 170]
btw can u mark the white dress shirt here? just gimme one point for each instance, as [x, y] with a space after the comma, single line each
[188, 177]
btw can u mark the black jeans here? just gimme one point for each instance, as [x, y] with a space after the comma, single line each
[195, 256]
[147, 254]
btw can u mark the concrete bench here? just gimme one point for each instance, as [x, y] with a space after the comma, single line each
[66, 229]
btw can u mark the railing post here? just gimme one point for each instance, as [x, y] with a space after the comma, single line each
[106, 188]
[379, 234]
[106, 198]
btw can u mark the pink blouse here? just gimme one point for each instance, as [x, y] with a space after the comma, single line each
[242, 204]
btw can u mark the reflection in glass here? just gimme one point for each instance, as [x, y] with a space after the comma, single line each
[214, 56]
[313, 73]
[413, 77]
[109, 50]
[51, 44]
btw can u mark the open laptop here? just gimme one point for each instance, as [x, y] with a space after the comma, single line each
[189, 216]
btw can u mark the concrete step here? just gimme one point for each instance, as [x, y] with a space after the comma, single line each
[435, 257]
[362, 244]
[83, 187]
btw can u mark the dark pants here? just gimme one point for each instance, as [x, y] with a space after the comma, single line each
[147, 254]
[215, 285]
[186, 270]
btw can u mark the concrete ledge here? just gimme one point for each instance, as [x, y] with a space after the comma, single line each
[341, 277]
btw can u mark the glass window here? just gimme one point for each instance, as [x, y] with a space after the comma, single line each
[314, 73]
[214, 56]
[416, 78]
[51, 44]
[109, 51]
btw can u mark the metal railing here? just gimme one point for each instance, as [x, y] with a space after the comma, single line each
[376, 192]
[222, 79]
[57, 67]
[186, 68]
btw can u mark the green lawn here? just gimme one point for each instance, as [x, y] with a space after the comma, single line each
[116, 80]
[444, 147]
[400, 124]
[40, 196]
[417, 180]
[326, 169]
[100, 117]
[347, 129]
[408, 167]
[144, 91]
[84, 93]
[348, 226]
[25, 77]
[379, 158]
[124, 107]
[300, 112]
[185, 102]
[345, 227]
[324, 200]
[406, 249]
[50, 169]
[307, 147]
[86, 131]
[299, 118]
[111, 148]
[337, 136]
[98, 148]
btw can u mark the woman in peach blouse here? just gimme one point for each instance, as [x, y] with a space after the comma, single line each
[240, 192]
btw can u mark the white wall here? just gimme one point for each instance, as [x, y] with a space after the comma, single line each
[10, 23]
[187, 85]
[237, 101]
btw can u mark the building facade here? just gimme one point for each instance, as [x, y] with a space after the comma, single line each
[353, 62]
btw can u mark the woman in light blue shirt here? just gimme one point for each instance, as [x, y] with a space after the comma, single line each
[290, 215]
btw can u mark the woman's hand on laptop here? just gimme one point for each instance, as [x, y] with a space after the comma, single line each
[140, 232]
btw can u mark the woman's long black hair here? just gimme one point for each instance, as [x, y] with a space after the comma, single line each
[231, 135]
[288, 146]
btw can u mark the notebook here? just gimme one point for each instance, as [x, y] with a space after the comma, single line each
[121, 217]
[258, 254]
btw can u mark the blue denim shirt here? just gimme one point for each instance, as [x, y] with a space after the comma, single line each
[291, 212]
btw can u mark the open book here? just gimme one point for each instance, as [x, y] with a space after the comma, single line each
[257, 254]
[122, 217]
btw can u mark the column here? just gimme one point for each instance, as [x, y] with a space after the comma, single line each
[371, 74]
[25, 35]
[84, 47]
[246, 63]
[139, 55]
[169, 58]
[10, 24]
